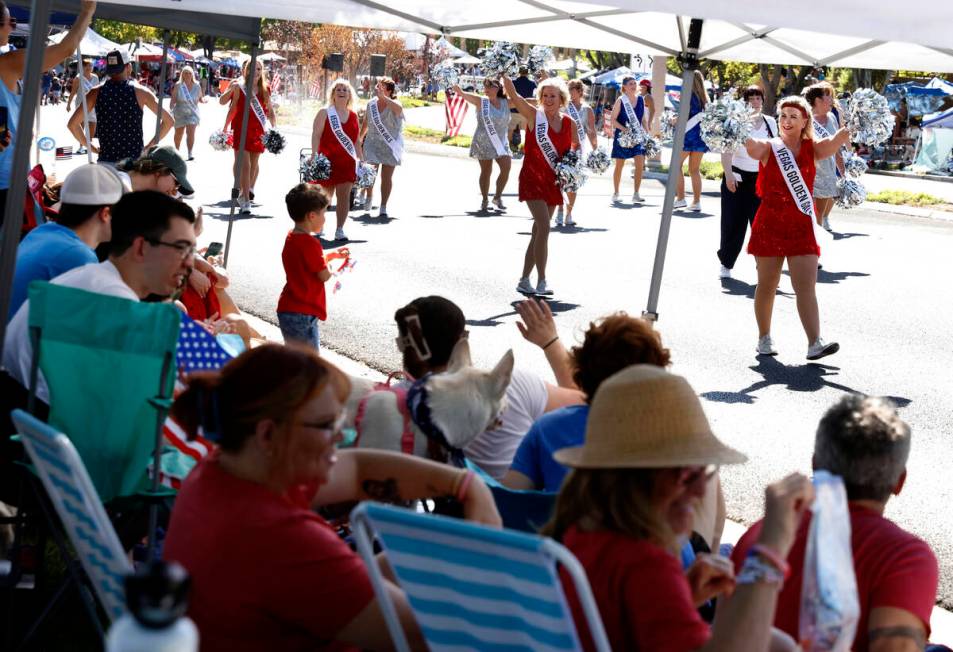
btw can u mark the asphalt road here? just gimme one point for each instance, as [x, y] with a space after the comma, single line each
[884, 295]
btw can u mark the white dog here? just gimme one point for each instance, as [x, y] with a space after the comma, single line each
[459, 403]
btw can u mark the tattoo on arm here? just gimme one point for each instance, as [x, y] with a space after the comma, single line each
[901, 632]
[385, 491]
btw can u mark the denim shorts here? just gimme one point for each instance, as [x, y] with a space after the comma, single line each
[298, 327]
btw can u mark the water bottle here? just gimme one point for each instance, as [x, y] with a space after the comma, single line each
[157, 597]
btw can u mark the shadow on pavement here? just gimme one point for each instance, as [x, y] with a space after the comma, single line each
[495, 320]
[225, 217]
[335, 244]
[372, 220]
[824, 276]
[577, 229]
[734, 287]
[810, 377]
[845, 236]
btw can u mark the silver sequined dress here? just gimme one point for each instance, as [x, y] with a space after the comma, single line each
[377, 151]
[481, 148]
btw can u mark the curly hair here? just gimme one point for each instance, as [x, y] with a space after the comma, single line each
[611, 344]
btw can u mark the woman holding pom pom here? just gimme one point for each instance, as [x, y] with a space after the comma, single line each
[628, 113]
[382, 137]
[335, 134]
[489, 140]
[259, 113]
[549, 135]
[784, 224]
[821, 98]
[694, 148]
[585, 120]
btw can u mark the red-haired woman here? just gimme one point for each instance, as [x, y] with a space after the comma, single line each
[267, 571]
[783, 227]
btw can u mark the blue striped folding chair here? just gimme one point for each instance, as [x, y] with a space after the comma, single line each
[524, 510]
[473, 587]
[74, 497]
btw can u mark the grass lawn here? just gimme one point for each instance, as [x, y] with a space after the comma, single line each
[906, 198]
[436, 136]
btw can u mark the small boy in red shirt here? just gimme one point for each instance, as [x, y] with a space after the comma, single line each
[302, 302]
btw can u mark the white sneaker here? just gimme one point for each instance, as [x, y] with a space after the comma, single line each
[766, 346]
[498, 202]
[637, 198]
[696, 207]
[339, 235]
[543, 289]
[820, 348]
[570, 221]
[725, 272]
[525, 287]
[559, 218]
[680, 203]
[244, 206]
[383, 212]
[615, 198]
[827, 226]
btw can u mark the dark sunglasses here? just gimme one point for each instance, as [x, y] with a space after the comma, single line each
[12, 22]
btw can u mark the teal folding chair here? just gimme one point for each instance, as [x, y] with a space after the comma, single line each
[473, 587]
[523, 510]
[108, 363]
[81, 512]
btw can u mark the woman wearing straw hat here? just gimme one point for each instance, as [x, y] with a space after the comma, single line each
[648, 452]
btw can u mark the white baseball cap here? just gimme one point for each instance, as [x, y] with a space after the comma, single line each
[91, 185]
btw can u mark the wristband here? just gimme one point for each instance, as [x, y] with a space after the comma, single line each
[461, 492]
[773, 558]
[550, 342]
[756, 571]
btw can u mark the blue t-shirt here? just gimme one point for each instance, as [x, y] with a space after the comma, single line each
[46, 252]
[560, 428]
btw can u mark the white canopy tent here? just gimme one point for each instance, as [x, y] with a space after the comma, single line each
[93, 44]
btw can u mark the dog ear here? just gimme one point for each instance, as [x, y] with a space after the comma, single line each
[460, 357]
[502, 374]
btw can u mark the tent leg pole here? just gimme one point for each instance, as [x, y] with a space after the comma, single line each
[82, 98]
[13, 210]
[241, 149]
[690, 61]
[163, 73]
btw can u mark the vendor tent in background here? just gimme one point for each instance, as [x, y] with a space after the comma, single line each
[936, 142]
[92, 44]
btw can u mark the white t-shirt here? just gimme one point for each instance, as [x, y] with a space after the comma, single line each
[740, 159]
[101, 278]
[526, 399]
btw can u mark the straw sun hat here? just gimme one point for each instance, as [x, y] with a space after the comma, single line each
[646, 417]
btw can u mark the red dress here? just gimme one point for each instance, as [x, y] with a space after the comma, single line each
[255, 130]
[537, 178]
[342, 164]
[780, 228]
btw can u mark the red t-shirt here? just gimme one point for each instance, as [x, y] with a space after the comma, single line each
[894, 569]
[641, 591]
[303, 293]
[267, 572]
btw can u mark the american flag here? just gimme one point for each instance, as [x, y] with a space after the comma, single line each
[456, 108]
[196, 350]
[64, 153]
[315, 89]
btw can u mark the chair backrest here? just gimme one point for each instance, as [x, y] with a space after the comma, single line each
[79, 508]
[103, 358]
[475, 587]
[526, 511]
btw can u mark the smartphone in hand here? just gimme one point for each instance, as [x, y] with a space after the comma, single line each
[214, 249]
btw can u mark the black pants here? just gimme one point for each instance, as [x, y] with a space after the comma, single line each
[737, 212]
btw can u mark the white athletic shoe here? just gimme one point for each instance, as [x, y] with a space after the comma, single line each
[637, 198]
[827, 226]
[383, 212]
[570, 221]
[244, 207]
[680, 203]
[498, 202]
[820, 348]
[725, 272]
[339, 235]
[559, 216]
[766, 346]
[696, 207]
[543, 289]
[615, 198]
[525, 287]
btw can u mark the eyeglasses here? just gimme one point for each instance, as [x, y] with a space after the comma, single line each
[690, 475]
[185, 249]
[328, 427]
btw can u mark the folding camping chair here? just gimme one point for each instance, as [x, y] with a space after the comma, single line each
[475, 587]
[74, 497]
[524, 510]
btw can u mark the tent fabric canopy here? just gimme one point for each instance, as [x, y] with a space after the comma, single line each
[92, 44]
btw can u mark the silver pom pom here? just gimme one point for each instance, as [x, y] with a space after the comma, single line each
[366, 175]
[539, 55]
[725, 125]
[221, 141]
[445, 74]
[868, 118]
[653, 148]
[851, 193]
[854, 166]
[598, 160]
[629, 137]
[667, 122]
[501, 58]
[314, 168]
[273, 141]
[570, 174]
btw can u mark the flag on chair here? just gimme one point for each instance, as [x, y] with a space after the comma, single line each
[64, 153]
[456, 108]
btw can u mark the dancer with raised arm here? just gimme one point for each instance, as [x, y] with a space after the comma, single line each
[784, 225]
[335, 134]
[550, 134]
[488, 145]
[582, 115]
[821, 98]
[382, 134]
